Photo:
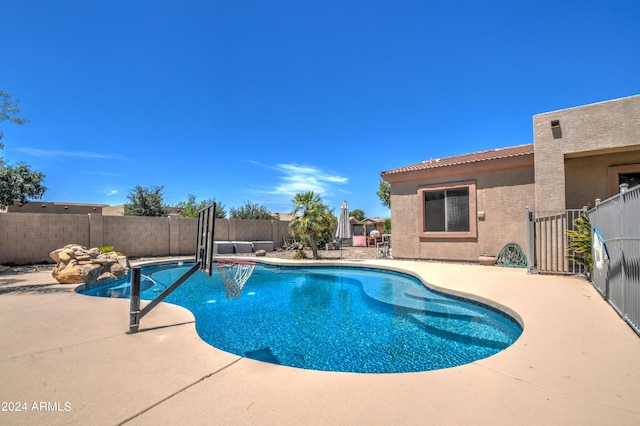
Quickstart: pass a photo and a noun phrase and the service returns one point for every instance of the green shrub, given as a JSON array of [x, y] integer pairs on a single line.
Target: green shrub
[[105, 249], [579, 247], [300, 254]]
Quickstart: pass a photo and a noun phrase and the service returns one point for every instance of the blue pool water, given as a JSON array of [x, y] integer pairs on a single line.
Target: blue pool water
[[333, 318]]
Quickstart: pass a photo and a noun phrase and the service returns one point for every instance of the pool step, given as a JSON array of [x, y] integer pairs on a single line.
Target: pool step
[[446, 317], [416, 298]]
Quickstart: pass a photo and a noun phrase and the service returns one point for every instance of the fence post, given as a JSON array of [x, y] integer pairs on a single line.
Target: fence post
[[531, 244], [96, 230]]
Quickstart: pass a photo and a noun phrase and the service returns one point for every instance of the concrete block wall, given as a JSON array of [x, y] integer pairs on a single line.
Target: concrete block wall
[[222, 230], [279, 231], [144, 236], [184, 243], [249, 230], [30, 237]]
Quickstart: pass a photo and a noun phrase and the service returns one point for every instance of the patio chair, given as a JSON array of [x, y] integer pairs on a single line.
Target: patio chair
[[383, 248]]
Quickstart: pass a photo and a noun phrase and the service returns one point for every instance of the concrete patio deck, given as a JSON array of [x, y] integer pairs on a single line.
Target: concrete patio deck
[[576, 363]]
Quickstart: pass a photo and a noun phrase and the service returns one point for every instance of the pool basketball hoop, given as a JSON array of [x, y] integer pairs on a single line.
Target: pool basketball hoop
[[235, 274]]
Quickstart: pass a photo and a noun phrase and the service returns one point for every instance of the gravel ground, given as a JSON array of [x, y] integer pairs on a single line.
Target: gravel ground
[[352, 253]]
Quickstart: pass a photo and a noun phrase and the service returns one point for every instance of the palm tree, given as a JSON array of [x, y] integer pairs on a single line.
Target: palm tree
[[311, 218]]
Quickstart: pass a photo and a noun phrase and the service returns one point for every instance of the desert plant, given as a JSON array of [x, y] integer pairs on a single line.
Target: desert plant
[[300, 254], [580, 240], [312, 219], [105, 249]]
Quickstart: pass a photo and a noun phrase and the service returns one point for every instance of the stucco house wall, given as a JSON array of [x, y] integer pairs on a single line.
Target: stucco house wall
[[581, 132], [587, 178], [504, 188], [577, 156]]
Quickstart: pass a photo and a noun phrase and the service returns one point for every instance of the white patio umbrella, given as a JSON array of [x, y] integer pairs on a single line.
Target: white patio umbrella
[[344, 227]]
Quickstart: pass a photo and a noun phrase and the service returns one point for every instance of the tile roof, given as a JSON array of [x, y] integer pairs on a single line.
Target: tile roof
[[492, 154]]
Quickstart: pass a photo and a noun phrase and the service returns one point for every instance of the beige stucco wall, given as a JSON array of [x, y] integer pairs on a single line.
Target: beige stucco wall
[[586, 177], [503, 197], [596, 129]]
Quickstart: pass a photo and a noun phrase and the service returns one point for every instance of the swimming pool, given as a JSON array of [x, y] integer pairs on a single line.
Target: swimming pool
[[329, 318]]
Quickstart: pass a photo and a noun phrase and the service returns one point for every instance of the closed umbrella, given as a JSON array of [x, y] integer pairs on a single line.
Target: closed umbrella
[[344, 227]]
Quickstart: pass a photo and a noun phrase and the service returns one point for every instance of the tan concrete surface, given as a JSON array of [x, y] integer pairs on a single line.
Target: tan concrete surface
[[576, 363]]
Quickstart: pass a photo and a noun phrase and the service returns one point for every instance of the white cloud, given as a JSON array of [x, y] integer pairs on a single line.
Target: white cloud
[[112, 192], [73, 154], [296, 179], [290, 179]]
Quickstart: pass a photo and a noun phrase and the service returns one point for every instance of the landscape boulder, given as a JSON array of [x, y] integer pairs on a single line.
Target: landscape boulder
[[76, 265]]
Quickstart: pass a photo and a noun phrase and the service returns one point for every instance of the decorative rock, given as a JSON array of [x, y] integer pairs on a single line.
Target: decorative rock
[[120, 269], [66, 256], [76, 265], [261, 253], [105, 260], [106, 277], [74, 273]]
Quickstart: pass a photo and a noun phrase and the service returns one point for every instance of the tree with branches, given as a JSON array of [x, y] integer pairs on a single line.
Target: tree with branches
[[17, 182], [145, 202], [384, 193], [252, 211], [358, 215], [190, 208]]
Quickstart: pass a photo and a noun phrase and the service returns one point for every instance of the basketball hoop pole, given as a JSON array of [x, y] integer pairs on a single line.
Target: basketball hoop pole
[[135, 313], [204, 262], [204, 259]]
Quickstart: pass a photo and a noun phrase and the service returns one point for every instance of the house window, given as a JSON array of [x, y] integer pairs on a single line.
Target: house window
[[448, 211], [629, 174], [631, 179]]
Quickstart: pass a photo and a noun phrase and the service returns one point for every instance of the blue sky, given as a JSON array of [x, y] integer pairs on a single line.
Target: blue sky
[[257, 101]]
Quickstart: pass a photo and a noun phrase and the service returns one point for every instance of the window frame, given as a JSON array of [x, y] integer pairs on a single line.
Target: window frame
[[473, 225]]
